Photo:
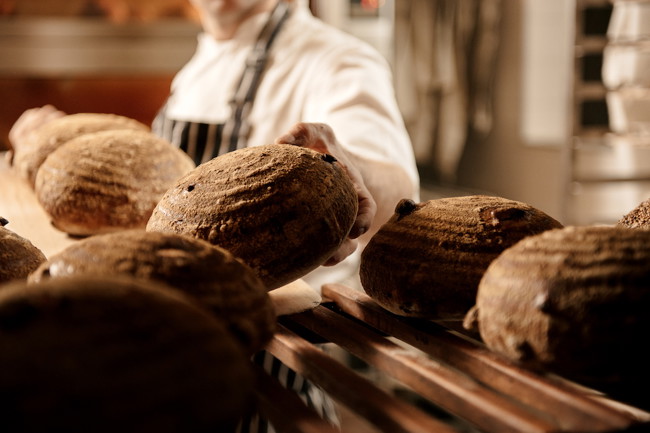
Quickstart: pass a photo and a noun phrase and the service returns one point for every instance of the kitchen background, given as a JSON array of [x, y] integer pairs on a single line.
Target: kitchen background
[[542, 102]]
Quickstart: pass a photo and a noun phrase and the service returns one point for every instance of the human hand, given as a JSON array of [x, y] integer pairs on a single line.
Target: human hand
[[320, 137], [31, 120]]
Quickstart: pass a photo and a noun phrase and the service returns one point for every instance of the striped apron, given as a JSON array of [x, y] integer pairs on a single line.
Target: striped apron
[[204, 141]]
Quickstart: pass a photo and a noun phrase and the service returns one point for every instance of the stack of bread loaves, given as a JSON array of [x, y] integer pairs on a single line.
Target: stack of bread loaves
[[97, 173]]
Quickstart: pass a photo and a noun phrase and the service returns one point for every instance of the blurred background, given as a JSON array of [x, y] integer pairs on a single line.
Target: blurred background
[[543, 102]]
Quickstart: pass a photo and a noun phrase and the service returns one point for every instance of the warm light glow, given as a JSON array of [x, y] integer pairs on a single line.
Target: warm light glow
[[372, 4]]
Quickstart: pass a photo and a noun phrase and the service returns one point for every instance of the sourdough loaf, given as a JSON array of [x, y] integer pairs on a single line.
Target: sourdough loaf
[[47, 138], [209, 274], [428, 259], [573, 301], [109, 180], [282, 209], [116, 355], [18, 256]]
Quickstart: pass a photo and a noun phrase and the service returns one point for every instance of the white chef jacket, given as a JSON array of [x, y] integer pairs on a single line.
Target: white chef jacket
[[315, 73]]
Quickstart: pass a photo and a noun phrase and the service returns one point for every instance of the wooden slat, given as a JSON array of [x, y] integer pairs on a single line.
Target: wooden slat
[[443, 385], [285, 410], [572, 409], [384, 411]]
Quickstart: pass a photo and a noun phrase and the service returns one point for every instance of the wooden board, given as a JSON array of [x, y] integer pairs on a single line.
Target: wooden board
[[27, 218]]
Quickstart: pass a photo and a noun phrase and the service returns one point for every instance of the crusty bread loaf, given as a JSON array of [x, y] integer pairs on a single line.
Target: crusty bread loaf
[[18, 256], [573, 300], [282, 209], [47, 138], [209, 274], [109, 180], [639, 217], [428, 259], [116, 355]]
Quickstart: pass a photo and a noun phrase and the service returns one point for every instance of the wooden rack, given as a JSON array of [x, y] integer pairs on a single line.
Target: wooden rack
[[449, 369]]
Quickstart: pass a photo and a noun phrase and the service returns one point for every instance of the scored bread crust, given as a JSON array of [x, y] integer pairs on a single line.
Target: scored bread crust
[[18, 256], [116, 354], [571, 300], [282, 209], [211, 275], [46, 139], [109, 180], [428, 259]]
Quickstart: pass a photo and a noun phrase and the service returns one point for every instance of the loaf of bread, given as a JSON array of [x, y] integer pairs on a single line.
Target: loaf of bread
[[18, 256], [282, 209], [637, 218], [211, 275], [116, 355], [573, 301], [47, 138], [109, 180], [428, 259]]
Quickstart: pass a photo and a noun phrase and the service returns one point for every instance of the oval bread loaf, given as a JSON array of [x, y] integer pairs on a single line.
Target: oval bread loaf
[[282, 209], [116, 355], [573, 301], [109, 180], [428, 259], [215, 278]]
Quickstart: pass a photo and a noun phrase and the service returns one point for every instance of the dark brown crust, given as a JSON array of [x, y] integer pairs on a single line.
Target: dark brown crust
[[109, 180], [428, 259], [282, 209], [18, 256], [209, 274], [107, 355], [46, 139], [573, 301]]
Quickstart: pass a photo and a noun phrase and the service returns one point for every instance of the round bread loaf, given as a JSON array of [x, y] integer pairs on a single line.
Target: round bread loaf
[[428, 258], [573, 300], [18, 256], [637, 218], [282, 209], [47, 138], [109, 180], [116, 355], [207, 273]]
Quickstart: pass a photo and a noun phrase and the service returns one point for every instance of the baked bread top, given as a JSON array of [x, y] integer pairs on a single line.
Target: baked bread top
[[282, 209], [209, 274], [18, 256], [46, 139], [116, 354], [428, 259], [109, 180]]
